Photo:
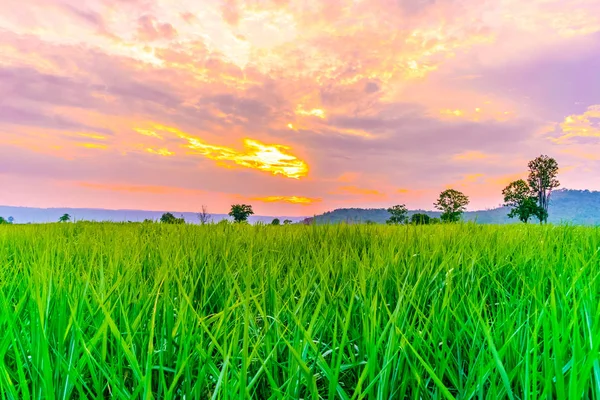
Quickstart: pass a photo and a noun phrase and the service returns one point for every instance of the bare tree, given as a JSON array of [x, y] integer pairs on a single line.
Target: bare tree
[[204, 216]]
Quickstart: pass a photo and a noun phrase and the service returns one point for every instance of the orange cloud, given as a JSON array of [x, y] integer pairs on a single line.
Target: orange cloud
[[274, 159], [138, 188], [358, 191], [470, 156], [288, 199], [580, 125]]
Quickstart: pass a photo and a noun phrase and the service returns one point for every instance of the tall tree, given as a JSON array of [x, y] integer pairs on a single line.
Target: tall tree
[[523, 203], [452, 204], [287, 222], [398, 214], [10, 220], [3, 221], [276, 221], [64, 218], [240, 212], [542, 180]]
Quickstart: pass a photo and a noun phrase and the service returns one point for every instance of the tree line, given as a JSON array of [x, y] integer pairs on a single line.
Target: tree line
[[526, 199]]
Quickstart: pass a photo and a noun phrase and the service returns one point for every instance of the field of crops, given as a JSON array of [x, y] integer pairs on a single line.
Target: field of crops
[[299, 312]]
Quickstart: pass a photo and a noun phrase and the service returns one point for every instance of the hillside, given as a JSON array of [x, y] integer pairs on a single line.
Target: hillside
[[580, 207]]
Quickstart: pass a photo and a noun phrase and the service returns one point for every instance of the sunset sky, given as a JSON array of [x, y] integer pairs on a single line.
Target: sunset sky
[[293, 106]]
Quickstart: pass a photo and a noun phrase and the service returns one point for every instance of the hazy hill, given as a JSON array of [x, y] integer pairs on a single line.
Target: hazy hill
[[23, 215], [567, 206]]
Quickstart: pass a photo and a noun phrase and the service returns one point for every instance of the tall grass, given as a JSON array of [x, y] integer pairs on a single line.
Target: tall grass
[[148, 311]]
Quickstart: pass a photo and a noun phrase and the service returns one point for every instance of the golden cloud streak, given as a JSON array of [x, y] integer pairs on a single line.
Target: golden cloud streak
[[314, 112], [288, 199], [268, 158], [580, 125], [160, 152], [147, 132], [93, 146]]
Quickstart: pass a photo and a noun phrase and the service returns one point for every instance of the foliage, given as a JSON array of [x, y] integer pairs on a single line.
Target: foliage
[[168, 218], [276, 221], [420, 219], [3, 221], [452, 204], [580, 207], [240, 212], [287, 222], [542, 180], [64, 218], [235, 311], [518, 197], [398, 214], [10, 220]]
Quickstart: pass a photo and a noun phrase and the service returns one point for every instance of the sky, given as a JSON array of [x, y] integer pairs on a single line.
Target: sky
[[293, 106]]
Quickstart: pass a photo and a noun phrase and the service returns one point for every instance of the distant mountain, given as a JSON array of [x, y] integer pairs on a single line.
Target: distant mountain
[[581, 207], [23, 215]]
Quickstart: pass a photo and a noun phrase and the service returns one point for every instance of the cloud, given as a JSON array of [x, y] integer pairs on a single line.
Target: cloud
[[288, 199], [111, 187], [150, 29], [579, 126], [18, 116], [274, 159]]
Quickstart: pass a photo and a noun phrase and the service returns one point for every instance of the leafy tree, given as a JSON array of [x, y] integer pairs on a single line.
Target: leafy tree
[[10, 220], [452, 204], [168, 218], [203, 216], [370, 222], [240, 212], [420, 219], [3, 221], [287, 222], [64, 218], [542, 180], [398, 214], [148, 221], [523, 203], [276, 222]]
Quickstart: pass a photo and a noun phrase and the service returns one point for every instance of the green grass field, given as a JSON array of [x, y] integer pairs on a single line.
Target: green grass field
[[147, 311]]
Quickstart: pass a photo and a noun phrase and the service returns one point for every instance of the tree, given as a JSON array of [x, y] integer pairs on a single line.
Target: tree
[[3, 221], [452, 204], [523, 202], [65, 218], [287, 222], [420, 219], [542, 180], [240, 212], [203, 216], [10, 220], [398, 214], [168, 218], [276, 222]]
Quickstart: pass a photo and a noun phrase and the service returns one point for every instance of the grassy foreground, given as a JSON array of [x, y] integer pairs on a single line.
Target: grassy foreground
[[351, 312]]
